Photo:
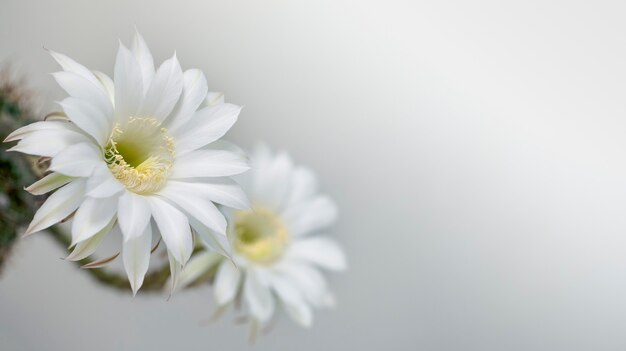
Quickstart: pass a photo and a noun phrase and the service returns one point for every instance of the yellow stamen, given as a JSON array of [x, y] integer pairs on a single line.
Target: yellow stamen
[[140, 154], [260, 235]]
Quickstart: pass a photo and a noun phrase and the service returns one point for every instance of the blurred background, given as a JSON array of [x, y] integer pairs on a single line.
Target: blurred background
[[475, 149]]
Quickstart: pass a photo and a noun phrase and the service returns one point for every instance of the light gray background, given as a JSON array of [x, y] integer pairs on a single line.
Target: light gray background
[[475, 148]]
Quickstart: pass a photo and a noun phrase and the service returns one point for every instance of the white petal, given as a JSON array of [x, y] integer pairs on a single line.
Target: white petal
[[175, 270], [202, 210], [226, 282], [227, 146], [107, 84], [174, 228], [133, 214], [85, 248], [136, 256], [48, 183], [271, 181], [311, 216], [300, 312], [303, 187], [216, 242], [198, 265], [79, 87], [293, 301], [128, 84], [213, 98], [164, 91], [144, 57], [91, 217], [58, 206], [70, 65], [78, 160], [39, 127], [308, 279], [194, 91], [102, 183], [206, 126], [258, 297], [209, 163], [88, 118], [321, 251], [49, 142], [224, 191]]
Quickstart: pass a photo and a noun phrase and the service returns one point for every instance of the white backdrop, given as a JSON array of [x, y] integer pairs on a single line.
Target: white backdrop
[[475, 149]]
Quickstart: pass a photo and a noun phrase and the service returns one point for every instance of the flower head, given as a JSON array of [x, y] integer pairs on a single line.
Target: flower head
[[139, 152], [277, 247]]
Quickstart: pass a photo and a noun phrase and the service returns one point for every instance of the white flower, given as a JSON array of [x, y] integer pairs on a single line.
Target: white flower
[[276, 256], [139, 147]]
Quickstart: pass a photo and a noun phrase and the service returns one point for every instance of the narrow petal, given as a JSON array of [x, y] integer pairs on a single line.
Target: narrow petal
[[48, 183], [198, 265], [133, 214], [206, 126], [58, 206], [144, 57], [226, 146], [320, 251], [101, 262], [213, 98], [258, 297], [79, 87], [128, 84], [164, 91], [224, 191], [70, 65], [174, 228], [308, 279], [209, 163], [87, 247], [49, 143], [136, 257], [39, 127], [107, 84], [202, 210], [102, 183], [303, 187], [293, 301], [88, 118], [309, 217], [271, 180], [226, 282], [175, 271], [91, 217], [78, 160], [194, 92], [213, 240]]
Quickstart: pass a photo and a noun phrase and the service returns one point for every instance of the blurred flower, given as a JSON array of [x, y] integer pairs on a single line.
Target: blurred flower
[[276, 256], [138, 147]]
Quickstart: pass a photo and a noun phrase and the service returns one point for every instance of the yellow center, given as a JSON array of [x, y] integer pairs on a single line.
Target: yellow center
[[140, 154], [259, 235]]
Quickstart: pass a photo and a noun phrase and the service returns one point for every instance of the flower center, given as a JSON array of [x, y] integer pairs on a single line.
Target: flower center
[[140, 154], [259, 235]]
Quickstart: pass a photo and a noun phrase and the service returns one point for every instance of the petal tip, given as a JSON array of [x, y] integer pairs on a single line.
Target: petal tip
[[29, 231]]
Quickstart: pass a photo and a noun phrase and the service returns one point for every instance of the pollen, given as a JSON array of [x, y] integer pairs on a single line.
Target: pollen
[[140, 154], [260, 235]]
